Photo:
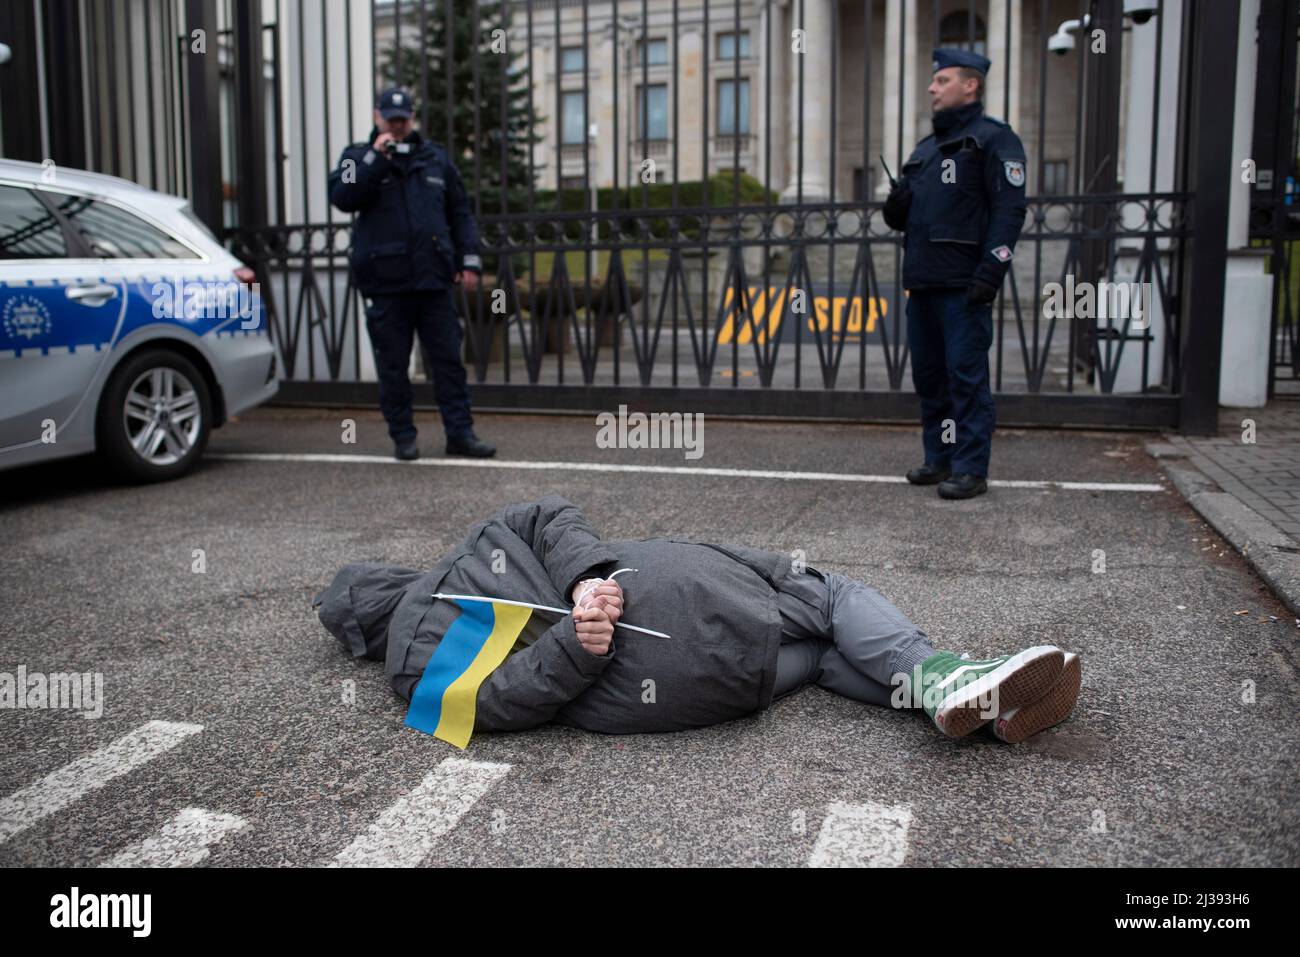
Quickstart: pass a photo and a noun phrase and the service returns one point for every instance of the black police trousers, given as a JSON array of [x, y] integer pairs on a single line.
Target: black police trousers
[[950, 339], [393, 322]]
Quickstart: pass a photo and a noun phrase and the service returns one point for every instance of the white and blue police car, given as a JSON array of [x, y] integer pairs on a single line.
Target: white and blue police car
[[125, 327]]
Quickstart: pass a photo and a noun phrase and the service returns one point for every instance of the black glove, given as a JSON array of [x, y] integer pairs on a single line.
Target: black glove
[[897, 203], [980, 293]]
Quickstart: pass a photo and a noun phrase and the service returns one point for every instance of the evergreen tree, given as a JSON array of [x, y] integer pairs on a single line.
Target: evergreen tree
[[502, 66]]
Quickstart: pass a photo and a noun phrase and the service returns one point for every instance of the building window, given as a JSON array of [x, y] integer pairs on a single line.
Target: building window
[[572, 182], [960, 29], [654, 112], [655, 52], [733, 107], [1056, 178], [727, 45], [574, 125], [572, 60]]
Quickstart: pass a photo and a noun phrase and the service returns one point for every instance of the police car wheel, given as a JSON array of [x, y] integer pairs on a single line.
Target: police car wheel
[[154, 417]]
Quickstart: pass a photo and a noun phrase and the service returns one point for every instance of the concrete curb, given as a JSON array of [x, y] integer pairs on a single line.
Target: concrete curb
[[1269, 551]]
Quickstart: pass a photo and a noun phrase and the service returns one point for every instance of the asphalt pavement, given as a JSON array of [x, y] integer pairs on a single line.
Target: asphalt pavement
[[236, 731]]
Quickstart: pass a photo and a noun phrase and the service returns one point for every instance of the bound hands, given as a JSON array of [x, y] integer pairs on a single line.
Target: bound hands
[[597, 606]]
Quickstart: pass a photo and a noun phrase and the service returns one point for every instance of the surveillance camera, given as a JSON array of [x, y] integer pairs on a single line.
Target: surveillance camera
[[1060, 43], [1140, 10]]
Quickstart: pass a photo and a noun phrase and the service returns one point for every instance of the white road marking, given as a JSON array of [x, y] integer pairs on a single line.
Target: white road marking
[[862, 835], [334, 458], [60, 788], [182, 842], [407, 831]]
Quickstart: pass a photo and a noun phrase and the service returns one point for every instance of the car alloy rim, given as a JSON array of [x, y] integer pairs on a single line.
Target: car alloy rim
[[162, 416]]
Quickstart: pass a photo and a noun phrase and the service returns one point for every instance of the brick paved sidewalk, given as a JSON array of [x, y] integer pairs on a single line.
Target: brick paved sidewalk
[[1265, 474], [1247, 487]]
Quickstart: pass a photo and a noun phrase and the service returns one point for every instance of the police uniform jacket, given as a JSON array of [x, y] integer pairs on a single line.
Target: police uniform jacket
[[414, 228], [968, 201]]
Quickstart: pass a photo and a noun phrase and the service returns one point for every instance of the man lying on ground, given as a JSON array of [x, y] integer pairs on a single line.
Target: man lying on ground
[[743, 627]]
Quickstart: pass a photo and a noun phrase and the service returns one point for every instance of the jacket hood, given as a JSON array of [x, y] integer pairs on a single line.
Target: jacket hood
[[358, 605]]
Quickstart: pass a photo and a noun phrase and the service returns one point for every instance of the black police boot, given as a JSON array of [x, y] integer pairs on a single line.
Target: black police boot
[[469, 444], [963, 486], [407, 451], [927, 475]]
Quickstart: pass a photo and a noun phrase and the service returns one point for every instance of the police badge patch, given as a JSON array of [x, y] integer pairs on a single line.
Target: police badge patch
[[1002, 253], [1015, 170]]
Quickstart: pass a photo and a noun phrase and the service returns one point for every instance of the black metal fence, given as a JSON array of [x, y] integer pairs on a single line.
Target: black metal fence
[[752, 272], [1275, 206]]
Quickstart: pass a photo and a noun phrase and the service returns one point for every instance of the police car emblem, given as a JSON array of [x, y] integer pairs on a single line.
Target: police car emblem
[[1002, 253], [1015, 170], [26, 316]]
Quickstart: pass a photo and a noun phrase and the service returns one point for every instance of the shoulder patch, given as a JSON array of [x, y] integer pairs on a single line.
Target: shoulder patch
[[1015, 172], [1001, 253]]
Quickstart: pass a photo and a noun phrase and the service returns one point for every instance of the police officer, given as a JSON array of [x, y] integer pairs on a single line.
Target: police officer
[[961, 204], [413, 238]]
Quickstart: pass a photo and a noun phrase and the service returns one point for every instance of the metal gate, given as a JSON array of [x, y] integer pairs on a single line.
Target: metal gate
[[1275, 206], [715, 242]]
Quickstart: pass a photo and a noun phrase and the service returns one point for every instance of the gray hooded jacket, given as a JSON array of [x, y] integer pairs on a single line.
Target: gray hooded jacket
[[718, 604]]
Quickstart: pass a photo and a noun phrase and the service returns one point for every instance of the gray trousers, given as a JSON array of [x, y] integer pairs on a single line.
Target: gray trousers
[[845, 636]]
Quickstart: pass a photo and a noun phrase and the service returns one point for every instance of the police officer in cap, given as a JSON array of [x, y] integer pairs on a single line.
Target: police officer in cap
[[414, 238], [960, 202]]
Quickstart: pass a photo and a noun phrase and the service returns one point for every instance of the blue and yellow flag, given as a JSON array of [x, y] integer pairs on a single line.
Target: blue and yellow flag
[[476, 643]]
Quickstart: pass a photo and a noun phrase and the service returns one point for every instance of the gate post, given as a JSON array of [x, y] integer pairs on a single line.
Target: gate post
[[250, 126], [202, 78], [1100, 167], [20, 114], [1210, 79]]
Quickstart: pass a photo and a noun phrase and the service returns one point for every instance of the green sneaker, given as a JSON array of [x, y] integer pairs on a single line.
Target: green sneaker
[[960, 694]]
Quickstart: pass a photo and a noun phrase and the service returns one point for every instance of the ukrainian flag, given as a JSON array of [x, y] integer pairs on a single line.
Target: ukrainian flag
[[475, 644]]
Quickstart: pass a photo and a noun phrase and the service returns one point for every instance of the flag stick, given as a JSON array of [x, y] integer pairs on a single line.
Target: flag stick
[[529, 604]]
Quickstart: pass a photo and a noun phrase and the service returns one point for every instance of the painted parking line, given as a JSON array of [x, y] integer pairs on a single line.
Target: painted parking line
[[60, 788], [862, 835], [405, 833], [790, 476], [184, 841]]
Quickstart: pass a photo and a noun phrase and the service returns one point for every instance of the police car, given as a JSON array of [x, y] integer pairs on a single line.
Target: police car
[[125, 327]]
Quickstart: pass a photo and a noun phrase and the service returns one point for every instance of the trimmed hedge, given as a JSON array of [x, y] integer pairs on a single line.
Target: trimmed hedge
[[716, 192]]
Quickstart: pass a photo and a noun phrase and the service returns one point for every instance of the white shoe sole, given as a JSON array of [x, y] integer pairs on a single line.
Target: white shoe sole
[[1023, 678], [1054, 707]]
